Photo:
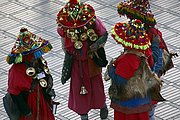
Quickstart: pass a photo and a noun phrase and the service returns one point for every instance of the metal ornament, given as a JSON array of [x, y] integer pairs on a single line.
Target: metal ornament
[[94, 37], [46, 70], [83, 90], [74, 38], [90, 32], [30, 71], [43, 61], [70, 33], [78, 44], [83, 37], [43, 83]]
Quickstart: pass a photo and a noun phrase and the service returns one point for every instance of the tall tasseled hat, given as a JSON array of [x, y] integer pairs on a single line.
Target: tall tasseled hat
[[75, 14], [131, 35], [137, 9], [28, 47]]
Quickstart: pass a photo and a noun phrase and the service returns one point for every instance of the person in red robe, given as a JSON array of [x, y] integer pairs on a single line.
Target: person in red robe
[[83, 36], [29, 80], [130, 91], [141, 9]]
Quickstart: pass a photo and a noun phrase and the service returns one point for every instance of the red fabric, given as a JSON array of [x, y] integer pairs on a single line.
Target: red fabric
[[95, 98], [154, 102], [73, 1], [94, 85], [68, 45], [99, 27], [129, 64], [18, 81], [154, 31], [44, 111], [162, 44], [137, 116], [28, 57]]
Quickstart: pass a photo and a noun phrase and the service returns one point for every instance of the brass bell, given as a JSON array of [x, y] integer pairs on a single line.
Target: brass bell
[[83, 37], [43, 83], [78, 44], [30, 71], [83, 90], [94, 37]]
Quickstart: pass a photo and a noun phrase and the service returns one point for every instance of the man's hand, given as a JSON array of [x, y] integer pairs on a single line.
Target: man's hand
[[94, 47], [29, 116], [155, 38]]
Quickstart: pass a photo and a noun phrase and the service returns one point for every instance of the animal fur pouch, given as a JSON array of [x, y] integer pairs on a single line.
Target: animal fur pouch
[[141, 84]]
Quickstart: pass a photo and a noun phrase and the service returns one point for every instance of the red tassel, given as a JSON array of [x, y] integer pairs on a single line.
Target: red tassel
[[73, 1]]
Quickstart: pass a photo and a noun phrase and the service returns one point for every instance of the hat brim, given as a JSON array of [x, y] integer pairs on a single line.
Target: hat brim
[[36, 53], [118, 33], [67, 20], [132, 13]]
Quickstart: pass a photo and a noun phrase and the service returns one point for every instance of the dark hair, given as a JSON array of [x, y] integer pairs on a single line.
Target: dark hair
[[23, 29]]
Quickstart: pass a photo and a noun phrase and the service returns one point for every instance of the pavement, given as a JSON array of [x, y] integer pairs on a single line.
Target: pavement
[[39, 16]]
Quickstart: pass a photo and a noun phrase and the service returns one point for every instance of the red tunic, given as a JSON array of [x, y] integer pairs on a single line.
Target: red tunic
[[126, 65], [92, 77], [18, 81], [138, 116], [154, 31]]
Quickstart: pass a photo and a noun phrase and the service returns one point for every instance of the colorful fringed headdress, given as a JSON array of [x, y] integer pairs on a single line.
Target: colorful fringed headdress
[[137, 9], [28, 47], [75, 14], [131, 35]]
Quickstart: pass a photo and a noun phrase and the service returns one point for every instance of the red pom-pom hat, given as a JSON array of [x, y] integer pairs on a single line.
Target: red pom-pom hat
[[131, 35], [75, 14], [137, 9]]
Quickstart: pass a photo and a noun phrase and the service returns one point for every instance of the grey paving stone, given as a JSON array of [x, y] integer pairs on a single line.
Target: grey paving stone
[[10, 8], [27, 15], [95, 5], [165, 17], [32, 2], [7, 23], [49, 7], [106, 12]]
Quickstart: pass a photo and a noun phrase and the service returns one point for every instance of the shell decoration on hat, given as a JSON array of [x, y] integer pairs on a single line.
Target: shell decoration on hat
[[28, 46], [137, 9], [131, 35]]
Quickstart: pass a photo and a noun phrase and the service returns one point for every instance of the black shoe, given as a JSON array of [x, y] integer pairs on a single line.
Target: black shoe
[[104, 112], [84, 117]]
